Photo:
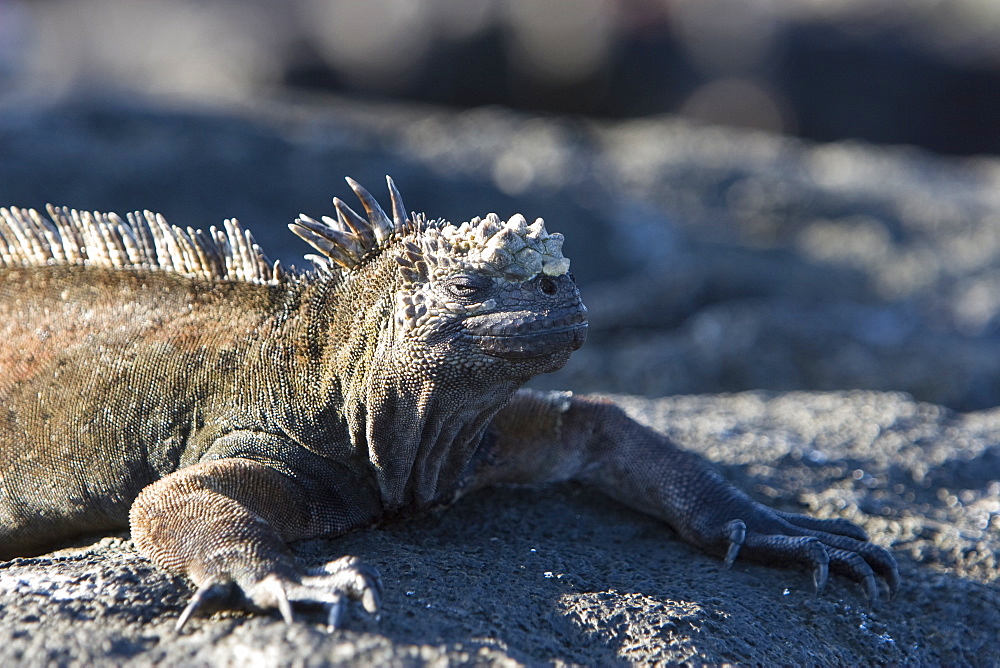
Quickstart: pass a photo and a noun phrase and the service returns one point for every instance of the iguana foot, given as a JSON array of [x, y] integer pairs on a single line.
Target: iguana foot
[[327, 586], [824, 545], [332, 583]]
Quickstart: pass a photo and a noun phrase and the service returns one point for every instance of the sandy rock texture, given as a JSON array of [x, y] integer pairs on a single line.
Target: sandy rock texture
[[560, 575], [842, 279]]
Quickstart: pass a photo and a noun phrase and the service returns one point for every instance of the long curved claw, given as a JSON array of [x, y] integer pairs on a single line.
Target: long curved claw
[[208, 594], [196, 602], [277, 589], [884, 565], [736, 532], [334, 614], [327, 587], [861, 561], [860, 566], [825, 545], [892, 581], [332, 583], [871, 590], [806, 550], [355, 578], [821, 574]]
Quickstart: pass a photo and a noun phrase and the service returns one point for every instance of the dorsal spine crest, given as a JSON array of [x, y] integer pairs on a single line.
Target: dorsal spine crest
[[509, 250], [144, 241], [351, 239]]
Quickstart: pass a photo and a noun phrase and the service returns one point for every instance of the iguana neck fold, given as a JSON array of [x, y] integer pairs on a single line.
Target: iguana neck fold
[[412, 409]]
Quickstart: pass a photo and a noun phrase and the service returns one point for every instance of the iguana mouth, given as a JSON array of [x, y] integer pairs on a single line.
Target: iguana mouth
[[532, 337]]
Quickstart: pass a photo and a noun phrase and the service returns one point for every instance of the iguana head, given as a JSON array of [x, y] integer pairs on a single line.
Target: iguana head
[[484, 292]]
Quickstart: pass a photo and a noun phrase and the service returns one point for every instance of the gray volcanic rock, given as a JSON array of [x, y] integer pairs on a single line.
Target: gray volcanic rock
[[532, 575]]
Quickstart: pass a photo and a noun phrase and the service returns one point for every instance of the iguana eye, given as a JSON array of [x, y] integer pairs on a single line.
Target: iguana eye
[[466, 287], [547, 286]]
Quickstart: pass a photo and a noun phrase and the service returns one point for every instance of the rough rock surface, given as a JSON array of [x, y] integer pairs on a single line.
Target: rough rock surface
[[560, 575], [712, 261]]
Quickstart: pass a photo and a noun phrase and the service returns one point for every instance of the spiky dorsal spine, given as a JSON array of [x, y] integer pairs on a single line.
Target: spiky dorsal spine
[[144, 241], [350, 239], [509, 250]]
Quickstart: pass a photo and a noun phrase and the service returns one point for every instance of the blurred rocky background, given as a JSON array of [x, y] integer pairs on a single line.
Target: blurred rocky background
[[923, 72]]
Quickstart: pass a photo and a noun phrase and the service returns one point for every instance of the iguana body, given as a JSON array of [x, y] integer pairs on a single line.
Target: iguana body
[[177, 382]]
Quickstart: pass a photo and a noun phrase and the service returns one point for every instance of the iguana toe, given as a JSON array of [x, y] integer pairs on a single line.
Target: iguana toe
[[837, 526], [209, 597], [327, 587], [823, 545], [332, 583], [737, 533]]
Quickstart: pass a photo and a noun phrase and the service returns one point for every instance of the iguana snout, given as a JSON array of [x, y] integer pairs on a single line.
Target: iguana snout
[[536, 318]]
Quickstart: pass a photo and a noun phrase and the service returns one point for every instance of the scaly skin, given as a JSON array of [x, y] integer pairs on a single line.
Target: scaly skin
[[185, 387]]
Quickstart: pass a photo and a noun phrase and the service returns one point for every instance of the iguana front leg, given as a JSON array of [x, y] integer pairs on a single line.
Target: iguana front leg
[[549, 437], [225, 523]]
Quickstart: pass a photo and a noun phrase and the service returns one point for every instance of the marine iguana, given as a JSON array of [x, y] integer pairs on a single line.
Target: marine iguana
[[177, 382]]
